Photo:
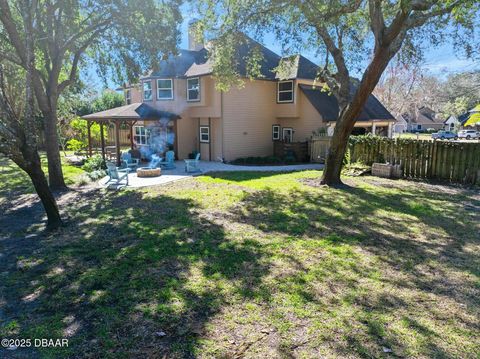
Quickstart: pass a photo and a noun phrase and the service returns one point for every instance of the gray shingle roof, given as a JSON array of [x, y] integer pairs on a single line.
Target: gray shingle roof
[[134, 111], [177, 66], [327, 106], [297, 66], [195, 63], [422, 115]]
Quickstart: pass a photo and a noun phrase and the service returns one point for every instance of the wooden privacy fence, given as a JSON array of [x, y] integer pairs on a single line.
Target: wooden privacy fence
[[319, 146], [451, 161], [124, 136]]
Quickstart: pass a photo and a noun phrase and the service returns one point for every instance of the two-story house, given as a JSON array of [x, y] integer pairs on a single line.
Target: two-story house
[[179, 106]]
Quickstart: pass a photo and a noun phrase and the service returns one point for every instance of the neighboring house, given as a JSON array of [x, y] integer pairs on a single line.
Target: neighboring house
[[179, 106], [421, 119], [452, 123], [400, 125]]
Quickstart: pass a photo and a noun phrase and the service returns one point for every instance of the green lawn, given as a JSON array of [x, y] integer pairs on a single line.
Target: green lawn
[[16, 181], [421, 136], [257, 265]]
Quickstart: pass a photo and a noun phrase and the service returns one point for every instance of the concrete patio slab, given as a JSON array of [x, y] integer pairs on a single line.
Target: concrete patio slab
[[179, 172]]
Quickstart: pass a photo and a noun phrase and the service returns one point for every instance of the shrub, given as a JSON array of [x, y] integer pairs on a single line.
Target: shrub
[[97, 174], [94, 163], [76, 145], [267, 160]]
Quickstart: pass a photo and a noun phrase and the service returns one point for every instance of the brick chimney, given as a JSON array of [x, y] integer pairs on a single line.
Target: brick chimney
[[193, 43]]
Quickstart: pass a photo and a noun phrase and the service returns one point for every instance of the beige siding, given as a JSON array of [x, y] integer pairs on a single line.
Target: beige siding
[[248, 115], [308, 120], [186, 137]]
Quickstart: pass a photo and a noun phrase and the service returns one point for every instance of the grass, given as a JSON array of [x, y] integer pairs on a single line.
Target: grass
[[409, 135], [249, 264], [16, 181]]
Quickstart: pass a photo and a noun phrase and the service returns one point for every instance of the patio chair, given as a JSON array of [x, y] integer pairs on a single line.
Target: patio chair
[[117, 175], [128, 161], [169, 162], [192, 165]]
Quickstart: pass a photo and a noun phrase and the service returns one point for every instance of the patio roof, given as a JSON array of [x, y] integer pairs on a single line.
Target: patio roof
[[132, 112], [327, 106], [118, 115]]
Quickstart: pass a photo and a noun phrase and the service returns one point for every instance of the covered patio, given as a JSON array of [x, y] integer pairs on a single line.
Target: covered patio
[[164, 122]]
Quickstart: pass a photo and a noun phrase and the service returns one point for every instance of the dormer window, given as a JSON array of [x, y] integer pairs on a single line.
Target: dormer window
[[164, 89], [128, 97], [147, 91], [193, 89], [285, 91]]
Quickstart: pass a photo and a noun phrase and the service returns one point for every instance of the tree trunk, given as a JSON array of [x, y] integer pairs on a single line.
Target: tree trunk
[[338, 147], [48, 200], [31, 164], [349, 114], [55, 173]]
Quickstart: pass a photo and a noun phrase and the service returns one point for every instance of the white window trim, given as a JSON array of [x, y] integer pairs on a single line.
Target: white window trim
[[165, 88], [287, 129], [128, 96], [199, 89], [200, 134], [283, 91], [277, 137], [143, 91], [145, 135]]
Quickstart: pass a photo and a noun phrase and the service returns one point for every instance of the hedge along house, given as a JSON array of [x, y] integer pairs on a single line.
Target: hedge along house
[[243, 121]]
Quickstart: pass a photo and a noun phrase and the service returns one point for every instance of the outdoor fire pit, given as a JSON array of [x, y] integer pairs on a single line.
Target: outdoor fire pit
[[149, 172]]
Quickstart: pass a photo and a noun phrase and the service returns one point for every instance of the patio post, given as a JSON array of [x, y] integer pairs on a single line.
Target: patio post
[[117, 142], [102, 140], [131, 134], [89, 135]]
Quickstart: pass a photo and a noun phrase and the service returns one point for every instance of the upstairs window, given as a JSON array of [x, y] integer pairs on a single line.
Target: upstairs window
[[147, 91], [285, 91], [275, 132], [193, 89], [128, 97], [164, 89]]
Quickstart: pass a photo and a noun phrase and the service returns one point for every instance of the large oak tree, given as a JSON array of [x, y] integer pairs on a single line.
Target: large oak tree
[[18, 125], [356, 37], [123, 37]]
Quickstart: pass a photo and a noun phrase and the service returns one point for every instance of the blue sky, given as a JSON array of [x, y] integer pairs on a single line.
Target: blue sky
[[439, 61]]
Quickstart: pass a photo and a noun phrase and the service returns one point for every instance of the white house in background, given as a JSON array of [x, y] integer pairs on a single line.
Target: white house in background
[[452, 123], [400, 125]]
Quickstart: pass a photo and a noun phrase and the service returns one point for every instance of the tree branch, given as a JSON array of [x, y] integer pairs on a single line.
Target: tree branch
[[377, 21], [420, 18], [76, 58], [9, 25]]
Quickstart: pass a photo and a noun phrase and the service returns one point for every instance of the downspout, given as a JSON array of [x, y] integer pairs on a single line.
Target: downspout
[[223, 125]]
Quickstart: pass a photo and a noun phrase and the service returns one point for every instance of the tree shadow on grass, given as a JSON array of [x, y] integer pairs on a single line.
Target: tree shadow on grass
[[131, 275], [132, 267], [388, 225]]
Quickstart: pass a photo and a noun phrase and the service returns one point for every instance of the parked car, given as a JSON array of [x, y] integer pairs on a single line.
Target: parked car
[[468, 134], [444, 135]]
